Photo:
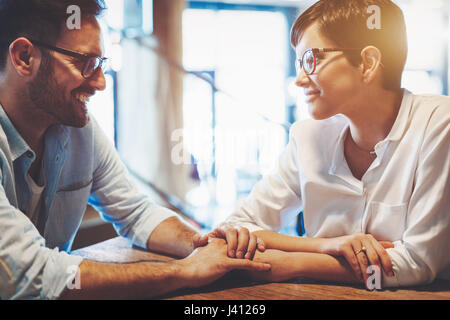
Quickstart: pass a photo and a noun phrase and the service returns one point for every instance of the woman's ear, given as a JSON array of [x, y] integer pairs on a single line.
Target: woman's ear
[[23, 56], [371, 63]]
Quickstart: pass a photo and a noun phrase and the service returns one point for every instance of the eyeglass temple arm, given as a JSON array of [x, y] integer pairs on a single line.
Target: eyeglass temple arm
[[336, 49], [60, 50]]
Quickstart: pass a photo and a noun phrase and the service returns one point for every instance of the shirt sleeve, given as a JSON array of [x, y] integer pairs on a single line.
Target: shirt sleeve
[[423, 251], [275, 199], [29, 270], [116, 197]]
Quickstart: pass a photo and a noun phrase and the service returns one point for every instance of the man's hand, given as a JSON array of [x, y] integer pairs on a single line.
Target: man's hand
[[241, 243], [199, 240], [208, 263]]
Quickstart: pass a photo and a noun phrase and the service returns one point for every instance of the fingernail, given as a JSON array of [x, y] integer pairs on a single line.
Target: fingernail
[[239, 254], [232, 254]]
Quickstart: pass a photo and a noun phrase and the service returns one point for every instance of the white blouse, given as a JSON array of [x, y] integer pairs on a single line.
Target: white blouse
[[404, 196]]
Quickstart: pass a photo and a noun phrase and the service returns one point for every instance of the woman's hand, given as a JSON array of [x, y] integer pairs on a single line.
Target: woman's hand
[[360, 251], [241, 243]]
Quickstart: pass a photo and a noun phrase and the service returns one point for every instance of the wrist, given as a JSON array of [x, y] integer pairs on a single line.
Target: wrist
[[179, 275], [322, 245], [184, 273]]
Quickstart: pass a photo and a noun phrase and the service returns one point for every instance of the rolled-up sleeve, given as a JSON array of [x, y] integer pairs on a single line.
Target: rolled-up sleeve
[[29, 270], [116, 197], [423, 251], [275, 199]]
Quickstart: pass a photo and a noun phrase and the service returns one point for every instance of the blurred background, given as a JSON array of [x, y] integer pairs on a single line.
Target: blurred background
[[200, 96]]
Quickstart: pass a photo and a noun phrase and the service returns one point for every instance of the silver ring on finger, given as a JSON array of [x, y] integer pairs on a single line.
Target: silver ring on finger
[[363, 249]]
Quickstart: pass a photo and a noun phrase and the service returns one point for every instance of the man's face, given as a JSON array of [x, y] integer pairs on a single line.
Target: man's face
[[59, 89], [334, 86]]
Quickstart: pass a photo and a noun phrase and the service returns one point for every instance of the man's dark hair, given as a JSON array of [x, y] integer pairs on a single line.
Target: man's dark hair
[[41, 20], [345, 22]]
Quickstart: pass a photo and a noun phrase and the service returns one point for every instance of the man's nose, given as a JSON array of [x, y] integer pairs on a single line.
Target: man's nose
[[97, 80]]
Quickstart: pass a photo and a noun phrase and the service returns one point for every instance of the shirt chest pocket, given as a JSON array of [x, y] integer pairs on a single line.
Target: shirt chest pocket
[[66, 213], [387, 222]]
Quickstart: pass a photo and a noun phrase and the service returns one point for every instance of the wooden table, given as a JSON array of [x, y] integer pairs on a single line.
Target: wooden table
[[232, 287]]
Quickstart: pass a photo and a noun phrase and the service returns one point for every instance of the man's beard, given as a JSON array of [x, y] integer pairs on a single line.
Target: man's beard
[[48, 96]]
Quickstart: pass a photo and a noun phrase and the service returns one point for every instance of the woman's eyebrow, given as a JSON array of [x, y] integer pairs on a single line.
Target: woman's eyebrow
[[302, 53]]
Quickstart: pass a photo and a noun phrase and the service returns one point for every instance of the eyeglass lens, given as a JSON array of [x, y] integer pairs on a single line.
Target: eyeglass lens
[[91, 65], [307, 62]]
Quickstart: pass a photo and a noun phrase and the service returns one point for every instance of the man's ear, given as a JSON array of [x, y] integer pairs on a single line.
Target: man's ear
[[371, 63], [24, 56]]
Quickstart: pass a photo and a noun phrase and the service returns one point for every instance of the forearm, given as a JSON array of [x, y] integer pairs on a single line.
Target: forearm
[[289, 265], [325, 267], [126, 281], [146, 279], [274, 240], [172, 236]]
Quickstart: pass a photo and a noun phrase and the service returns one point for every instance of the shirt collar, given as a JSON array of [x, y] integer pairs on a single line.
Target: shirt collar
[[17, 144], [338, 153], [399, 127], [396, 133], [338, 166], [59, 132], [397, 130]]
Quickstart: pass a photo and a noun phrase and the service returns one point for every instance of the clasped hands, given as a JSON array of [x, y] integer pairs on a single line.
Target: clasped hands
[[359, 250], [240, 242]]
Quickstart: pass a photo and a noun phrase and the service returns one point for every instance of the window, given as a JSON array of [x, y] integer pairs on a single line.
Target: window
[[235, 126], [102, 108], [426, 69], [102, 104], [131, 18]]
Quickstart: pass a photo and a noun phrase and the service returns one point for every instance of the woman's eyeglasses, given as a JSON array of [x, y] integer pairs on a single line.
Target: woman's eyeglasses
[[91, 62], [308, 61]]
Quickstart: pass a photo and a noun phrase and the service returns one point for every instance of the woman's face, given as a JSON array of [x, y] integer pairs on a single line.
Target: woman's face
[[335, 85]]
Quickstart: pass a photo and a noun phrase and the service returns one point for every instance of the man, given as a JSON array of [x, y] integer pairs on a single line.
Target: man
[[54, 159]]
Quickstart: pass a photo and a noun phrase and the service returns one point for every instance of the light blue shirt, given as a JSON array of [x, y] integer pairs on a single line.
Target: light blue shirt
[[80, 166]]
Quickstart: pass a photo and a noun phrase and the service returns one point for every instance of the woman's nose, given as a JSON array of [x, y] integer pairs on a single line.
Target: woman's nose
[[302, 80]]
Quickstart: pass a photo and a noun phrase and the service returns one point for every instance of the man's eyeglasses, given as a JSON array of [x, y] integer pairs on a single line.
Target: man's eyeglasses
[[308, 61], [91, 62]]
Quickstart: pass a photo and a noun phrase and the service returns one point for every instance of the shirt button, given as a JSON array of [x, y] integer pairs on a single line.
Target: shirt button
[[57, 158], [29, 154]]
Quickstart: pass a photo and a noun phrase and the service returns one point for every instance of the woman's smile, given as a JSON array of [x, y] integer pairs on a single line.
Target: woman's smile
[[312, 95]]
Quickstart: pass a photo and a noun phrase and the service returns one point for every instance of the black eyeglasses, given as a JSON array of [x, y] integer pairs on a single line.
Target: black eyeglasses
[[91, 62], [308, 61]]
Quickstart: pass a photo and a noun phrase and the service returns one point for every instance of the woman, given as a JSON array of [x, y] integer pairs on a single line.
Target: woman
[[370, 172]]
